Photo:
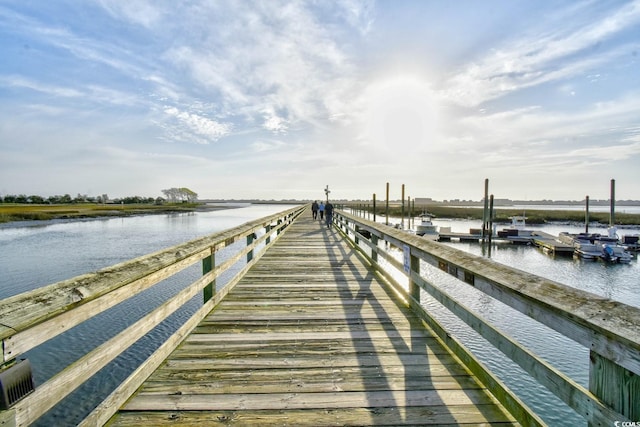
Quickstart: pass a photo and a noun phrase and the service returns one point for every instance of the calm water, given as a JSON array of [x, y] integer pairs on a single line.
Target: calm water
[[33, 255]]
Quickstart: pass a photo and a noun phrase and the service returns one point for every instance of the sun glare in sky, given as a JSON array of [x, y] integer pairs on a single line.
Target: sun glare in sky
[[400, 114]]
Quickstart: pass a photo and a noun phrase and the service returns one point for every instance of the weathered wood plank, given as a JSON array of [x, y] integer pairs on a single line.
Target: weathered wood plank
[[343, 399], [308, 381], [433, 415]]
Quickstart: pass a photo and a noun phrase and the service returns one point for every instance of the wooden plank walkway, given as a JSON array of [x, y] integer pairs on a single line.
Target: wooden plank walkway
[[310, 336]]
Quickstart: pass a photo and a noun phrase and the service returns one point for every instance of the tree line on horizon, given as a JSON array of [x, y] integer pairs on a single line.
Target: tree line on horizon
[[173, 195]]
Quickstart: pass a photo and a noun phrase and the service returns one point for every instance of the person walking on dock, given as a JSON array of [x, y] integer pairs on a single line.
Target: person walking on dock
[[321, 210], [329, 210], [314, 209]]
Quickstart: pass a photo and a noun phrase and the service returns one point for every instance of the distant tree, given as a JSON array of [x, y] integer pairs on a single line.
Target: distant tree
[[80, 198], [175, 195], [189, 195], [36, 199], [22, 198]]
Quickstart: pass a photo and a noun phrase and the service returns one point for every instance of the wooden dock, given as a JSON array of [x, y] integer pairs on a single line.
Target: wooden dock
[[540, 239], [551, 244], [311, 336]]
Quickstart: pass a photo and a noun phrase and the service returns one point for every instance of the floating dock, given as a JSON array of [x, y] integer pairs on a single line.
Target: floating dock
[[551, 244], [545, 241]]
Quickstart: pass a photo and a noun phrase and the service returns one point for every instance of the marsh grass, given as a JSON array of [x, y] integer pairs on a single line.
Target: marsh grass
[[19, 212]]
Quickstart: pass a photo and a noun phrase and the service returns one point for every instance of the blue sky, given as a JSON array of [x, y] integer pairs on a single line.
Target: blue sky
[[277, 99]]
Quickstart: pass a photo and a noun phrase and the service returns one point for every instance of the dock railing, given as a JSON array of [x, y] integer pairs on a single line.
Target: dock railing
[[609, 329], [32, 318]]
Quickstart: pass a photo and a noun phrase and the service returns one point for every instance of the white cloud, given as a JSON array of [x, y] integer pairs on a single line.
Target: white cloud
[[258, 58], [141, 12], [262, 146], [540, 56], [273, 122], [49, 89], [196, 128]]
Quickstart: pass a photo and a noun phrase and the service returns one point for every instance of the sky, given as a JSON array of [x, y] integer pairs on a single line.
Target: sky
[[279, 99]]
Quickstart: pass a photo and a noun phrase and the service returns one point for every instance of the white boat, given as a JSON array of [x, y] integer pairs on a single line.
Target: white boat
[[517, 232], [587, 250], [426, 228], [615, 253]]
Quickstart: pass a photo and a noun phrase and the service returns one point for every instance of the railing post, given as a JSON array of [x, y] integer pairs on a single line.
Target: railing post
[[208, 264], [267, 229], [615, 386], [374, 253], [414, 289], [250, 238], [355, 238]]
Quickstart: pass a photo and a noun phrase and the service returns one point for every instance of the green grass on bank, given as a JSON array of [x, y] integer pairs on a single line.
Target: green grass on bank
[[502, 215], [27, 212]]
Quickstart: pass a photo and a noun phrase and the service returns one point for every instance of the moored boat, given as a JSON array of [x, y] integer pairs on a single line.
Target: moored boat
[[426, 228], [594, 246], [517, 232]]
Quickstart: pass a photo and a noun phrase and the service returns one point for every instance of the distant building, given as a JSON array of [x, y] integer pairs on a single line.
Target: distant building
[[423, 200]]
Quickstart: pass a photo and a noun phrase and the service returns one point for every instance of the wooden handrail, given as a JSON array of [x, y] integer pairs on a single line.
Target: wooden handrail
[[34, 317], [610, 329]]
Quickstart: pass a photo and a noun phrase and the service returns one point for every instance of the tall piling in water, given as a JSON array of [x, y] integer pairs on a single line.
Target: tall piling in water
[[374, 207], [402, 210], [386, 209], [586, 214], [490, 218], [485, 212], [612, 201]]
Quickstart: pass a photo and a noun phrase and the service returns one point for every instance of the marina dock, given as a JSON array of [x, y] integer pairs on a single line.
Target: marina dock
[[551, 244], [545, 241]]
